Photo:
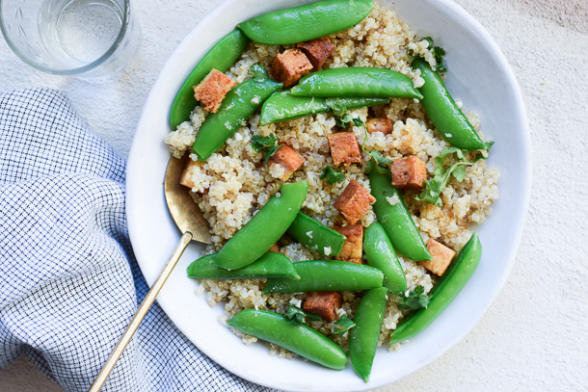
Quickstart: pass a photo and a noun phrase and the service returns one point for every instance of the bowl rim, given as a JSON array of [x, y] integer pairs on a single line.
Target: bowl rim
[[446, 6]]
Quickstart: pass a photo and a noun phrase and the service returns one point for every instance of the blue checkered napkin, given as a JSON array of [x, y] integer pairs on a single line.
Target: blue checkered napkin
[[66, 265]]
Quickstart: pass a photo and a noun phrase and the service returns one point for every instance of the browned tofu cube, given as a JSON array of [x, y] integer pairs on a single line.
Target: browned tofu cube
[[379, 124], [354, 202], [274, 248], [409, 172], [323, 303], [212, 90], [441, 257], [317, 50], [288, 159], [290, 66], [344, 148], [353, 245], [186, 179]]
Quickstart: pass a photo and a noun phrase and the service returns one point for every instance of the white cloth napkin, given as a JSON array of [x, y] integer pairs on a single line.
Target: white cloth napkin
[[69, 283]]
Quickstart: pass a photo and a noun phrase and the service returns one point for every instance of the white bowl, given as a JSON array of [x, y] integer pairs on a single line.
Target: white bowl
[[478, 74]]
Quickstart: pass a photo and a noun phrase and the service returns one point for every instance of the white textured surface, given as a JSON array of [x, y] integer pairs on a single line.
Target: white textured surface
[[535, 335]]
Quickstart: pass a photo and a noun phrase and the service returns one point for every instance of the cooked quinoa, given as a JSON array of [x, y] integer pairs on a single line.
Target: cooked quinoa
[[235, 182]]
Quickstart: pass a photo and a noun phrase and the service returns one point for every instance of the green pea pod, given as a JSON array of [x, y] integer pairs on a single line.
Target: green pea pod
[[270, 265], [316, 236], [363, 338], [356, 82], [380, 254], [239, 104], [298, 338], [446, 290], [264, 229], [444, 112], [221, 56], [284, 106], [395, 217], [329, 275], [306, 22]]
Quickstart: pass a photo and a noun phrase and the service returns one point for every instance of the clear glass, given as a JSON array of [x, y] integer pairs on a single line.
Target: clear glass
[[90, 38]]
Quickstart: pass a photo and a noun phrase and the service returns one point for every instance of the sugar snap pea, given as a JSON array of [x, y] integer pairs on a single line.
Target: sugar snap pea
[[363, 338], [284, 106], [316, 236], [395, 217], [264, 229], [221, 56], [295, 337], [356, 82], [444, 112], [305, 22], [270, 265], [446, 290], [327, 275], [380, 254], [239, 104]]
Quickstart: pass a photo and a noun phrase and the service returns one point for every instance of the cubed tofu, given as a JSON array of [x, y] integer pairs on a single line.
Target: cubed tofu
[[317, 50], [186, 179], [323, 303], [354, 202], [290, 66], [379, 124], [288, 159], [212, 90], [409, 172], [344, 148], [274, 248], [441, 257], [353, 245]]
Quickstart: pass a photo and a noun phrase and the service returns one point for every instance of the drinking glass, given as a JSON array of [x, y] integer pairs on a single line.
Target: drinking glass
[[90, 38]]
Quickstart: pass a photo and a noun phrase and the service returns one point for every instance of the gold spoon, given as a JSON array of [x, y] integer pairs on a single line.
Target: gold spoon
[[189, 220]]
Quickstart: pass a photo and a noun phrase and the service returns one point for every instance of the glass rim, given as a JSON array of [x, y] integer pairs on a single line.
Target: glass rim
[[69, 71]]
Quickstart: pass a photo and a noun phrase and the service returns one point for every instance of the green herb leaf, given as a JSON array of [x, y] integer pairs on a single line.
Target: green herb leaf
[[358, 123], [459, 173], [295, 314], [442, 175], [258, 71], [268, 144], [344, 120], [379, 158], [438, 53], [299, 316], [342, 325], [416, 299], [331, 175], [336, 105]]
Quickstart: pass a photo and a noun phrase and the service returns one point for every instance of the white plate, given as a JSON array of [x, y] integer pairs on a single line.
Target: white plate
[[478, 74]]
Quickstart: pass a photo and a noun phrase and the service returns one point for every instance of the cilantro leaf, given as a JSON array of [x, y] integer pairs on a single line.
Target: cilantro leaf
[[299, 316], [358, 123], [438, 53], [331, 175], [344, 120], [335, 105], [268, 144], [342, 325], [258, 72], [416, 299], [379, 158], [442, 175]]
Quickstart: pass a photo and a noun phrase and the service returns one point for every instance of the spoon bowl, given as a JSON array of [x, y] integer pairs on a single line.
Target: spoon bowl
[[182, 208]]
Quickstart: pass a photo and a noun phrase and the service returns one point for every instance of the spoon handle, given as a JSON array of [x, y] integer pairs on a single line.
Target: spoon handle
[[141, 312]]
